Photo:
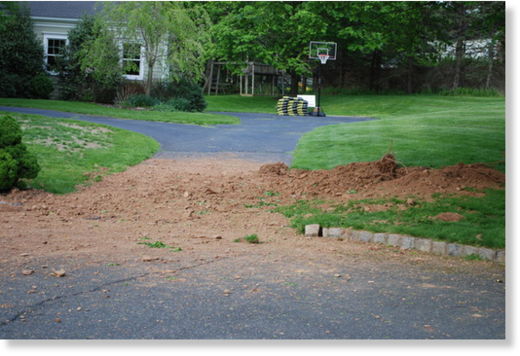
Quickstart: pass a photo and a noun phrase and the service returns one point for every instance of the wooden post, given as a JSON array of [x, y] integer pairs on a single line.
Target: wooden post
[[240, 79], [210, 78], [218, 80], [253, 79]]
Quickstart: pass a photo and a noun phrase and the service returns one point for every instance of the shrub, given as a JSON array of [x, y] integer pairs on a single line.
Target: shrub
[[185, 89], [126, 90], [15, 161], [41, 86], [140, 100], [85, 72], [21, 55]]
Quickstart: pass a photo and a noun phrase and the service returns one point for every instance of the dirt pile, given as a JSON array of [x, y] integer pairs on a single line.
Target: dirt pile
[[383, 177]]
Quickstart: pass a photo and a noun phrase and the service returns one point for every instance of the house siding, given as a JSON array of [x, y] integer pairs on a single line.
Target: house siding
[[60, 28]]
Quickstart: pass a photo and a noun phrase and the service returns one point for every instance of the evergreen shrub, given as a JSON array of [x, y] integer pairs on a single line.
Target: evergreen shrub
[[15, 161]]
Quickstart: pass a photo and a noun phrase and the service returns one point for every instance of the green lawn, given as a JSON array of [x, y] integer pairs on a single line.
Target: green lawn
[[483, 222], [194, 118], [424, 130], [73, 152]]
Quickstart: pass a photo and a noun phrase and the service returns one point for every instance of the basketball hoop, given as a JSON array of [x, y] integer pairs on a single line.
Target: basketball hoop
[[323, 57]]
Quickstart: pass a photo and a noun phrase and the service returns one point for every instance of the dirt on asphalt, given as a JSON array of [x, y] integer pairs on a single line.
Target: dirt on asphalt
[[196, 208]]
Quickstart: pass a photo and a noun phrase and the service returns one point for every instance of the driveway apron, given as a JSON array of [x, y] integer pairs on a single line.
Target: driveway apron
[[259, 137]]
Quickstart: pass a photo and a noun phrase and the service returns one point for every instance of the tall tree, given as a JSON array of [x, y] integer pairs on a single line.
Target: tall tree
[[169, 31], [21, 55]]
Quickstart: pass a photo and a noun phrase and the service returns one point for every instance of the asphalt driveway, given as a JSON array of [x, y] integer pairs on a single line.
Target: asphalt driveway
[[259, 137]]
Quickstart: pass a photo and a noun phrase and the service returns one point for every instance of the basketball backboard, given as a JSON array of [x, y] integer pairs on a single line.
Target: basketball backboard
[[319, 50]]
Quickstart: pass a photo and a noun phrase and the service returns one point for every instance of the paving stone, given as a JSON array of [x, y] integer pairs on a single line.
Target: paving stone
[[380, 238], [347, 234], [394, 240], [366, 236], [312, 230], [487, 253], [335, 232], [501, 256], [439, 247], [325, 231], [470, 250], [424, 245], [455, 250], [355, 235], [407, 242]]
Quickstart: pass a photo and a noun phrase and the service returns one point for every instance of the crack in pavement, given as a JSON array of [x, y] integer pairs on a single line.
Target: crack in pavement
[[32, 307]]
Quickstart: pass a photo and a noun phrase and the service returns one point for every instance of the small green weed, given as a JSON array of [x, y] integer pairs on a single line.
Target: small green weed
[[261, 204], [252, 239], [473, 257], [157, 244], [271, 194]]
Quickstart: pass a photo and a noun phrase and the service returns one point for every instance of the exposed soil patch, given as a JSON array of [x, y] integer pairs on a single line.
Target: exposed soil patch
[[383, 178], [199, 207], [449, 217]]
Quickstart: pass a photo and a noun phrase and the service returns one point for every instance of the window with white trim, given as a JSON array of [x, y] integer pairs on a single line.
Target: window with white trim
[[132, 61], [53, 47]]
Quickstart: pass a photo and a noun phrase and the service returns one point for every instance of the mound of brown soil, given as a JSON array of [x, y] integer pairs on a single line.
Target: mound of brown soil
[[382, 178]]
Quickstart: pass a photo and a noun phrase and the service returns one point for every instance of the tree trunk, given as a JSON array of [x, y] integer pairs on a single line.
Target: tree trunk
[[409, 76], [460, 48], [149, 79], [294, 83], [375, 72], [491, 58]]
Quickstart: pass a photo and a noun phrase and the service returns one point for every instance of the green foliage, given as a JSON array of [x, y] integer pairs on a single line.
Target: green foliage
[[21, 55], [90, 68], [182, 94], [41, 86], [252, 239], [15, 161], [171, 30], [140, 100]]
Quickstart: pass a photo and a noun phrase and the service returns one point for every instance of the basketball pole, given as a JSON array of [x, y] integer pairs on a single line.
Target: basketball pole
[[318, 101]]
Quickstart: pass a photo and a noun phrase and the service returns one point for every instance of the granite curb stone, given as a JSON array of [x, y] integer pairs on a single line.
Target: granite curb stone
[[405, 242]]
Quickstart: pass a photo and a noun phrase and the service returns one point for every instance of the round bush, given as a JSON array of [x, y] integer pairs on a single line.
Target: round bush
[[41, 86], [8, 169], [15, 161], [166, 91], [140, 100], [10, 132]]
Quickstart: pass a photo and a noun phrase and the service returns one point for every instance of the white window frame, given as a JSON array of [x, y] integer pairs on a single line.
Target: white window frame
[[140, 76], [46, 38]]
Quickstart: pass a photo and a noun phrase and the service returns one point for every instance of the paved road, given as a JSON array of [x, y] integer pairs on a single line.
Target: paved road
[[251, 296], [259, 137]]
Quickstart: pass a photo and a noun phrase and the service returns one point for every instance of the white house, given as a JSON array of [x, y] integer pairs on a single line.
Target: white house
[[53, 20]]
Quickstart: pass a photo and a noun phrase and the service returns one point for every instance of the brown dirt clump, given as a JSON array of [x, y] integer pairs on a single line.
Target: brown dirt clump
[[274, 168], [384, 178], [448, 217]]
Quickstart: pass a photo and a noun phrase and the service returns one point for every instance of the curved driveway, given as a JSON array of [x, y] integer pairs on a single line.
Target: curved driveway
[[259, 137]]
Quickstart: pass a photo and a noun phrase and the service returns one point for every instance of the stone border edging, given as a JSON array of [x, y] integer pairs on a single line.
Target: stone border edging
[[406, 242]]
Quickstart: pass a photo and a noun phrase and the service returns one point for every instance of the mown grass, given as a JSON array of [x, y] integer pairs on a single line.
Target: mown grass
[[483, 222], [432, 131], [73, 152], [421, 130], [193, 118]]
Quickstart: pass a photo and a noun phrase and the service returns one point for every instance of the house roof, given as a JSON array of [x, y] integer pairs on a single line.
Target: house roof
[[61, 9]]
